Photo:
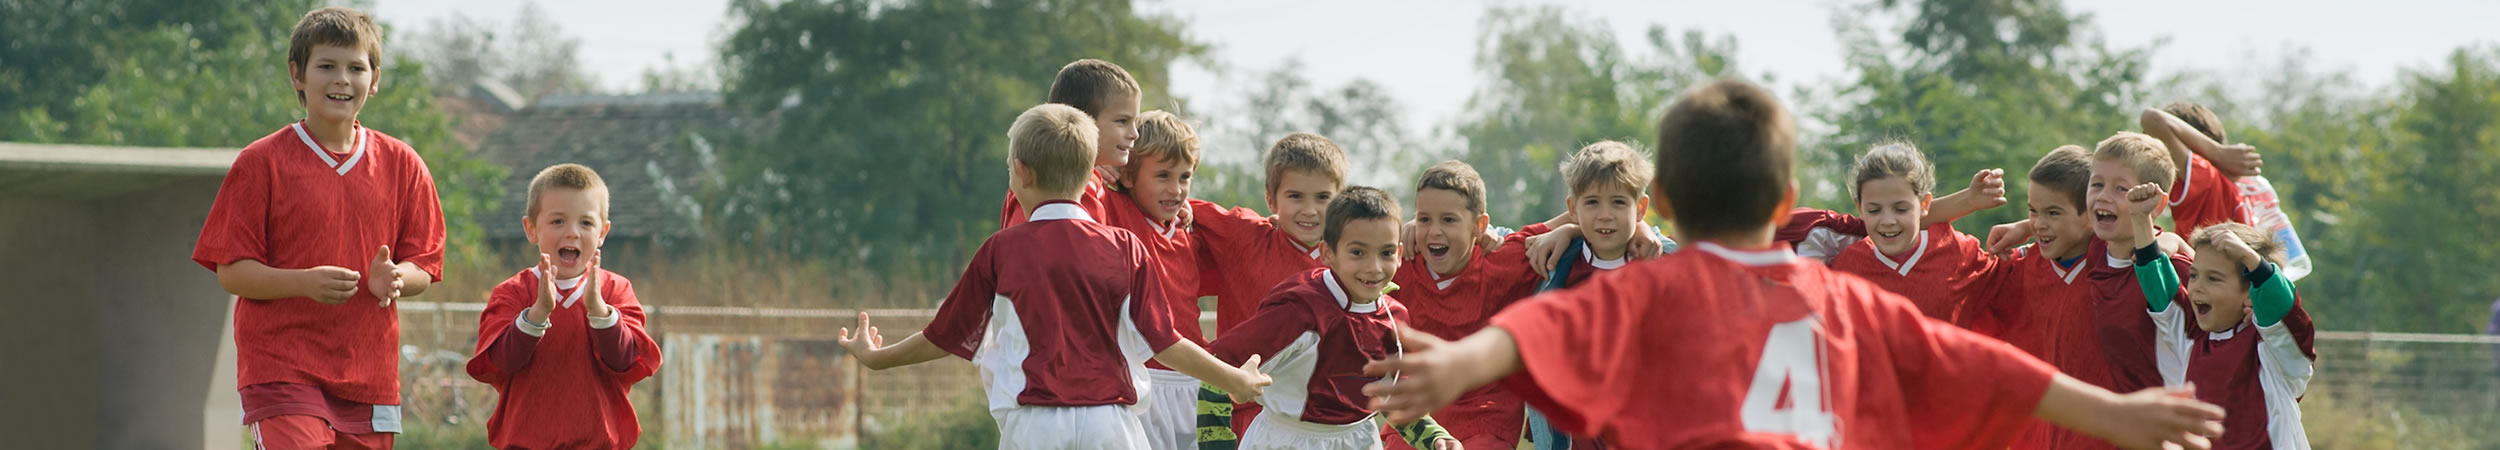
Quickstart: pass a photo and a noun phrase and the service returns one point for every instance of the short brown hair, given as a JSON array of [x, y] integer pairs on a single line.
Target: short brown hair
[[1894, 159], [1726, 155], [2208, 241], [1090, 84], [1057, 142], [2146, 155], [2198, 117], [1162, 137], [336, 26], [1455, 176], [2068, 169], [567, 176], [1608, 164], [1357, 203], [1306, 152]]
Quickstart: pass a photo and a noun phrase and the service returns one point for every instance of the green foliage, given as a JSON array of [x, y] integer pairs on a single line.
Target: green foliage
[[178, 87], [968, 425], [1557, 83], [1359, 116], [892, 143]]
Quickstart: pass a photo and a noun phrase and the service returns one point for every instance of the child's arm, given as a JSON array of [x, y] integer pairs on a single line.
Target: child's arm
[[1435, 372], [1424, 433], [2286, 368], [2150, 418], [2182, 139], [1241, 383], [252, 280], [871, 350], [1987, 190]]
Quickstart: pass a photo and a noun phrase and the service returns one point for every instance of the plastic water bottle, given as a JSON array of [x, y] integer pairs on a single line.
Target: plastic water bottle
[[2266, 209]]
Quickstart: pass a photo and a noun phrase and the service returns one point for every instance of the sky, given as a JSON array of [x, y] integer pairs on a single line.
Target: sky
[[1423, 51]]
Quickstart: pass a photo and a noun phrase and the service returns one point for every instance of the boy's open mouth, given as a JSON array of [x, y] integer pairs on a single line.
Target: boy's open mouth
[[2104, 217], [340, 97], [1306, 226], [1370, 284], [1893, 234], [1437, 251], [1605, 231], [2202, 308], [569, 256]]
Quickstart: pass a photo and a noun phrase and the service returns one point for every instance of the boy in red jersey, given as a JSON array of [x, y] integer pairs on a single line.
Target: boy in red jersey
[[563, 342], [317, 229], [1154, 189], [1662, 353], [1107, 93], [1454, 289]]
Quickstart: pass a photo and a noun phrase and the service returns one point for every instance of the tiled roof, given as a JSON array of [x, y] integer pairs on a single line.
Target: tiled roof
[[649, 148]]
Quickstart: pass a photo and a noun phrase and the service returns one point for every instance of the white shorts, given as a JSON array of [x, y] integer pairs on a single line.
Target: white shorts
[[1278, 431], [1171, 415], [1069, 427]]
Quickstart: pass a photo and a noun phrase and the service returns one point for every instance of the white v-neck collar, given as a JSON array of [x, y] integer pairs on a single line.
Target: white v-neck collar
[[1905, 265], [1313, 251], [2224, 335], [2063, 274], [1589, 253], [566, 284], [1749, 257], [355, 153], [1349, 305]]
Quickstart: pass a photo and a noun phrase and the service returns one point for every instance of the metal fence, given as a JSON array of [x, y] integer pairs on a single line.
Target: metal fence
[[752, 377]]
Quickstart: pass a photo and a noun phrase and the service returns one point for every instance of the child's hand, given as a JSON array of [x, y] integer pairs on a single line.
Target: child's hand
[[382, 277], [2144, 198], [1989, 185], [863, 342], [1415, 383], [1248, 381], [2164, 417], [1447, 444], [592, 304], [1408, 238], [1545, 250], [2239, 251], [2003, 238], [2238, 160], [1183, 218], [1487, 242], [1646, 244], [330, 285], [546, 303]]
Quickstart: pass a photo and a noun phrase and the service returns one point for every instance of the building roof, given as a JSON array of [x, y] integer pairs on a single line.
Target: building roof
[[653, 150], [91, 171]]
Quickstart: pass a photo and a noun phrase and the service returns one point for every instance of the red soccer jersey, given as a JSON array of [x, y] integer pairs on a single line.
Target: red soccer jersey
[[1939, 274], [1176, 263], [1241, 258], [2039, 310], [1455, 306], [565, 395], [2126, 338], [1818, 233], [1012, 212], [1060, 300], [2205, 197], [1713, 346], [1313, 343], [290, 204]]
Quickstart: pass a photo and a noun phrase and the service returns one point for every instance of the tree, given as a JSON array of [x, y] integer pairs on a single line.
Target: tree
[[892, 146], [169, 87], [1558, 83], [1359, 116], [51, 51], [532, 54], [1985, 84]]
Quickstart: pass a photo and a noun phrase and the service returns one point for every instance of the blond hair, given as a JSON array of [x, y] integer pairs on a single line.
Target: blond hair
[[1305, 152], [1057, 142], [1162, 136], [1455, 176], [1608, 164], [335, 26], [567, 176], [2145, 155]]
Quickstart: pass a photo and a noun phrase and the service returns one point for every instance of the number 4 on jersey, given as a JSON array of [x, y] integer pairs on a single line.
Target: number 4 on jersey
[[1789, 361]]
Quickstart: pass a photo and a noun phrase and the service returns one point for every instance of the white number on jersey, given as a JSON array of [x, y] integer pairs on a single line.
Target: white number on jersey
[[1789, 359]]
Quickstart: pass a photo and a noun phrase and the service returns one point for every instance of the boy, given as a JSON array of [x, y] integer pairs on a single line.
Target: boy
[[1455, 290], [1154, 189], [1655, 354], [2039, 305], [1242, 256], [1060, 312], [1105, 92], [317, 228], [1317, 330], [1607, 202], [2204, 194], [2122, 161], [2248, 324], [563, 342]]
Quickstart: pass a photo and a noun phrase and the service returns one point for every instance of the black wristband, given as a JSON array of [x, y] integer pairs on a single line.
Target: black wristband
[[2148, 254], [2259, 275]]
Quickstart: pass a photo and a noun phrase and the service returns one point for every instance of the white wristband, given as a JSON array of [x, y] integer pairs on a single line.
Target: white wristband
[[532, 329], [602, 323]]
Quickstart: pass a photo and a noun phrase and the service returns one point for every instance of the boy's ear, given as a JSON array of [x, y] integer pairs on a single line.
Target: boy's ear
[[1019, 176], [1483, 220], [529, 229]]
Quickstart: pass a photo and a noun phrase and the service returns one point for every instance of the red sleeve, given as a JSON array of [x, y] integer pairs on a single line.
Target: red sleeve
[[237, 227], [965, 314], [420, 238], [503, 305], [1975, 275], [1968, 391], [1556, 332], [625, 349], [1279, 321], [1997, 299], [1219, 233], [1508, 276], [1010, 213], [2204, 197], [1803, 221], [1147, 308]]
